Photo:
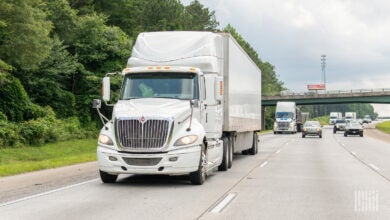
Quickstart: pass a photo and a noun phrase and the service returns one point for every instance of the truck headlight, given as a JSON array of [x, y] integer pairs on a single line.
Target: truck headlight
[[189, 139], [104, 139]]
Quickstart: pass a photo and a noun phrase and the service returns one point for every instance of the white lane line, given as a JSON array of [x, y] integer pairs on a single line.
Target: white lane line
[[46, 193], [224, 203], [353, 153], [263, 164], [373, 166], [343, 144], [278, 151]]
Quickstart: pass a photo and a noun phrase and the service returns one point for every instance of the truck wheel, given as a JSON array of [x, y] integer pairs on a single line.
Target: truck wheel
[[107, 178], [225, 156], [303, 136], [345, 134], [361, 134], [198, 177], [231, 151], [254, 149]]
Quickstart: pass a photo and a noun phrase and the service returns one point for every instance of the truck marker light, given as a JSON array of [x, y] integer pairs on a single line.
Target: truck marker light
[[159, 67], [192, 68], [150, 67], [167, 67], [220, 88]]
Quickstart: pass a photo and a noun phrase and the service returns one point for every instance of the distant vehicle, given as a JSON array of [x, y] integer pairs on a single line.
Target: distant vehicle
[[339, 125], [350, 116], [333, 116], [353, 128], [312, 128], [287, 118], [367, 119]]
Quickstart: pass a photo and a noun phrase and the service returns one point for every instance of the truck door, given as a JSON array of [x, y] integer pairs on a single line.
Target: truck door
[[214, 111]]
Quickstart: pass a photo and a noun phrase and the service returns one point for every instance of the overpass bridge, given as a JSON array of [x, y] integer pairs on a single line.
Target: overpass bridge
[[377, 96]]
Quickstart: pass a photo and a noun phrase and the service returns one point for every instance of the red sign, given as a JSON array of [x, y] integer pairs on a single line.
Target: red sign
[[316, 87]]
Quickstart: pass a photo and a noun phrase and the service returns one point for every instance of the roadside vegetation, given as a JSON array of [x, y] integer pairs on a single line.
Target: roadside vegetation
[[384, 126], [26, 159]]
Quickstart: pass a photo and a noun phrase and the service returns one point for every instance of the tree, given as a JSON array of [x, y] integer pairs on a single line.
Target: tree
[[200, 18], [24, 33]]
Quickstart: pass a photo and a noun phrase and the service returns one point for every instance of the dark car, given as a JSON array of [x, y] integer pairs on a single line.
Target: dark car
[[353, 128], [339, 125], [312, 128]]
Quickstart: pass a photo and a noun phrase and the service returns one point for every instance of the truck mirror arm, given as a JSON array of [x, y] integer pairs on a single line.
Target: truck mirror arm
[[97, 103], [192, 103]]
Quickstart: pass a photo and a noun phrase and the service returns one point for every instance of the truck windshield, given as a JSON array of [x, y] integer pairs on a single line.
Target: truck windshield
[[284, 115], [160, 85]]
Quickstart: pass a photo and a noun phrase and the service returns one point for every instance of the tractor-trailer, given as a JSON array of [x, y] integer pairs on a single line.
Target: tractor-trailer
[[188, 101]]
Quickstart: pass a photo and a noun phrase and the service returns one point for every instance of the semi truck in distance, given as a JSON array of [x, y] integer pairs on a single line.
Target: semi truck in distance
[[188, 101], [350, 116], [334, 116], [287, 118]]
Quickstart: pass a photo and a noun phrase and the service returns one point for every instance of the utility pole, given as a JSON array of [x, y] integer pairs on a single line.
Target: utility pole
[[323, 65]]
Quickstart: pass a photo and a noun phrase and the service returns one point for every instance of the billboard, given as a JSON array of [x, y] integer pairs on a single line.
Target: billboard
[[316, 87]]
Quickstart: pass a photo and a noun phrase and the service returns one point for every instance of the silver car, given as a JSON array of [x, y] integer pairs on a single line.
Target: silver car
[[312, 128], [353, 128]]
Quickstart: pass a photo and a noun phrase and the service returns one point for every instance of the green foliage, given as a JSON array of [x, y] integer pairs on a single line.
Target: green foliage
[[24, 33], [324, 110], [25, 159], [3, 117], [384, 126], [14, 101]]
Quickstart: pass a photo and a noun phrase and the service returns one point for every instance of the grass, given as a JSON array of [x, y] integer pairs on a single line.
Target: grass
[[384, 126], [324, 120], [27, 159]]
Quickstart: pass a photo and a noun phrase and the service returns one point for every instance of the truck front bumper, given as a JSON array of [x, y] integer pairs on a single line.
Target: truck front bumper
[[177, 162]]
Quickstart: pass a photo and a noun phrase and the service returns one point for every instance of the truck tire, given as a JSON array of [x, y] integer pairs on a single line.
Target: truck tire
[[198, 177], [225, 156], [231, 152], [254, 149], [107, 178]]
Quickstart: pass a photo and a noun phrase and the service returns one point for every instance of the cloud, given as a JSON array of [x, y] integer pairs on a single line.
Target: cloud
[[293, 34]]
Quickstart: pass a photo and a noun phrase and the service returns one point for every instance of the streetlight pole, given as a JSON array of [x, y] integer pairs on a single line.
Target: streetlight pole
[[323, 65]]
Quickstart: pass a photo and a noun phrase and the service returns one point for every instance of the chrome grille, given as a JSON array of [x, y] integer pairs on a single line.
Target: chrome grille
[[133, 134], [283, 125], [142, 161]]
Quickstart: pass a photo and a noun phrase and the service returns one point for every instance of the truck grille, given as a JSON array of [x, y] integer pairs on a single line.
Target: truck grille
[[151, 134], [283, 125]]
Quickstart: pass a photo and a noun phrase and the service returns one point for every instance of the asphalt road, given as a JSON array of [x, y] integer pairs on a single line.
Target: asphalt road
[[335, 177]]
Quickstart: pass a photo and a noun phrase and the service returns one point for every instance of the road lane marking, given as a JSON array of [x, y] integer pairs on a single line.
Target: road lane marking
[[224, 203], [354, 154], [278, 151], [263, 164], [47, 193], [374, 167]]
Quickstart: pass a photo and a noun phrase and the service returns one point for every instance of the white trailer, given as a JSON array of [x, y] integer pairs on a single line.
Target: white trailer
[[334, 116], [188, 101], [350, 116]]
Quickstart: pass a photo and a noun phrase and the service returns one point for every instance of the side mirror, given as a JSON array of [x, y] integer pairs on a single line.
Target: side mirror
[[106, 89], [218, 88], [97, 103]]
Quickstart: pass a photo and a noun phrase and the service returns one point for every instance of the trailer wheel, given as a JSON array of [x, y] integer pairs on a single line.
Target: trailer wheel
[[107, 178], [225, 156], [198, 177], [254, 149]]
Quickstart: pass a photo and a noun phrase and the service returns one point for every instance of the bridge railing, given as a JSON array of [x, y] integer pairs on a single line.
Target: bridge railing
[[330, 92]]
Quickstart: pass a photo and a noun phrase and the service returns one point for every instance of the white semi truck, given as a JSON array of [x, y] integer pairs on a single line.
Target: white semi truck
[[350, 116], [287, 118], [334, 116], [187, 102]]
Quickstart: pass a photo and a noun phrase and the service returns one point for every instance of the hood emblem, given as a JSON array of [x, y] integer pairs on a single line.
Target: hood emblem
[[142, 120]]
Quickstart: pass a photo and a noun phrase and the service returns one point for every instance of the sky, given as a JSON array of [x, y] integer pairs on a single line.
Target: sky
[[293, 34]]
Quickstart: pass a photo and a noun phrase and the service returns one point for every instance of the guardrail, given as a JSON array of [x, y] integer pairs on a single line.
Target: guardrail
[[330, 92]]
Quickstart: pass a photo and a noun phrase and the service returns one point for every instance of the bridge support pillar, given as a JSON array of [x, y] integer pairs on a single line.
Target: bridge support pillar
[[263, 108]]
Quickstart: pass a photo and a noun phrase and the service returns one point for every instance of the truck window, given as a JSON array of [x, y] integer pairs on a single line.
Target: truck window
[[160, 85]]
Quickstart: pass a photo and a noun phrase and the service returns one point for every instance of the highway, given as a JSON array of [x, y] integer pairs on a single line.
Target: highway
[[335, 177]]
